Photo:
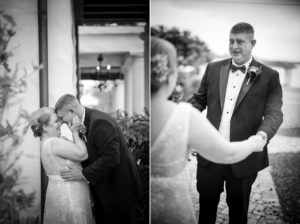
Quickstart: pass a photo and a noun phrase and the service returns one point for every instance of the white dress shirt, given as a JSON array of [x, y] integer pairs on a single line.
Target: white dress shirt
[[234, 84]]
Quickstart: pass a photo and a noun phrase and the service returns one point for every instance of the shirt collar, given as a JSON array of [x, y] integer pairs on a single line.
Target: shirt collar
[[247, 63], [83, 117]]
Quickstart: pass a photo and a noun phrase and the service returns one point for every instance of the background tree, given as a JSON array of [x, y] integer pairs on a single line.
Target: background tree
[[191, 52], [190, 49]]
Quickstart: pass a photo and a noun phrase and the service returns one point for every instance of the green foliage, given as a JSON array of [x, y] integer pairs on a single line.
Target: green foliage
[[136, 131], [12, 199]]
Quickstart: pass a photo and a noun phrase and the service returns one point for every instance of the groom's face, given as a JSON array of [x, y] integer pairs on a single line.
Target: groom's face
[[65, 115], [240, 47]]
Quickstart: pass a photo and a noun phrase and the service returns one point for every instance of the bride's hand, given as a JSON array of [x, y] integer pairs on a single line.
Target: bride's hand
[[257, 142], [76, 124]]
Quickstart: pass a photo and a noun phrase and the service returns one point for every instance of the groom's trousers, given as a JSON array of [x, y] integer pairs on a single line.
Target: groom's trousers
[[128, 217], [210, 184]]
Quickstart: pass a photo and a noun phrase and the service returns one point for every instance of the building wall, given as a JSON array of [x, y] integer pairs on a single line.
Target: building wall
[[61, 49], [61, 53], [62, 77]]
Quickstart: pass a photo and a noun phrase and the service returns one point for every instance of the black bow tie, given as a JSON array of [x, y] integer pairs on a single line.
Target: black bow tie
[[242, 68]]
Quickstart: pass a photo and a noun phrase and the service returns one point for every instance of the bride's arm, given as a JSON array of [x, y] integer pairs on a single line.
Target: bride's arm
[[211, 145], [76, 151], [80, 144], [73, 151]]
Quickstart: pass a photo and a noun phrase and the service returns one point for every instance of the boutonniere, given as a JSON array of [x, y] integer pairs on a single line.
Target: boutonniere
[[83, 130], [253, 73]]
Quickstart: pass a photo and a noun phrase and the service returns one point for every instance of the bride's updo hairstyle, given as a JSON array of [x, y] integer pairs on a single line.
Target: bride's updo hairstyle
[[40, 118], [163, 62]]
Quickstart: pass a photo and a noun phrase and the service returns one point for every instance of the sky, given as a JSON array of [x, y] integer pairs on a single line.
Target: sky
[[276, 23]]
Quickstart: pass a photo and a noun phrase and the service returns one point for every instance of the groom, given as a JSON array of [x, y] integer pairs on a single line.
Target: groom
[[116, 184], [243, 97]]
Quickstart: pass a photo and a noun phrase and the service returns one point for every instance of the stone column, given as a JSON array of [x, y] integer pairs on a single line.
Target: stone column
[[127, 70], [61, 52], [134, 78], [61, 49], [145, 37], [118, 95], [138, 83]]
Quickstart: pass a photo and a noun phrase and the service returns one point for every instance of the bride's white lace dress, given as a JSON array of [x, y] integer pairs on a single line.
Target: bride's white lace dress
[[66, 202], [171, 200]]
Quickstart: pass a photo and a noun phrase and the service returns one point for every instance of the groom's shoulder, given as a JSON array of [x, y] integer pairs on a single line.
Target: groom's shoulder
[[265, 68], [97, 115], [100, 114]]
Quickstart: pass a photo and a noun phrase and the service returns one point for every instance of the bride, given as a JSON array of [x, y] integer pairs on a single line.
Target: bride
[[174, 127], [66, 202]]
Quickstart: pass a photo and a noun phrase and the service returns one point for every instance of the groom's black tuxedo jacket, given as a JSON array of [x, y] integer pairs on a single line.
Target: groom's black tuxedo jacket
[[258, 108], [115, 181]]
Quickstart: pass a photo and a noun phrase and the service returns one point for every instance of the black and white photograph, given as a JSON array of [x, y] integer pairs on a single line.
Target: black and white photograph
[[225, 104], [149, 111], [74, 111]]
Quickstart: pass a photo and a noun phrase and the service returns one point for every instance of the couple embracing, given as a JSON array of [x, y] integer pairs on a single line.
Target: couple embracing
[[92, 179]]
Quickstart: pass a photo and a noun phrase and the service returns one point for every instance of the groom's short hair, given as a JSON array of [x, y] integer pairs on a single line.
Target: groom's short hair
[[242, 28], [66, 101]]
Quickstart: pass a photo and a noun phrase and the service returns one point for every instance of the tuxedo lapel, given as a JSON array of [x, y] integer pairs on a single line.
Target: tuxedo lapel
[[245, 87], [224, 73]]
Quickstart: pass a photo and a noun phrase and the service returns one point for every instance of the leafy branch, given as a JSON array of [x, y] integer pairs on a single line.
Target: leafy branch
[[12, 83]]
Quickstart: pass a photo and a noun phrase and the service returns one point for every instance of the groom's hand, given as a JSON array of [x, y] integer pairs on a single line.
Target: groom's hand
[[72, 174], [263, 135]]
